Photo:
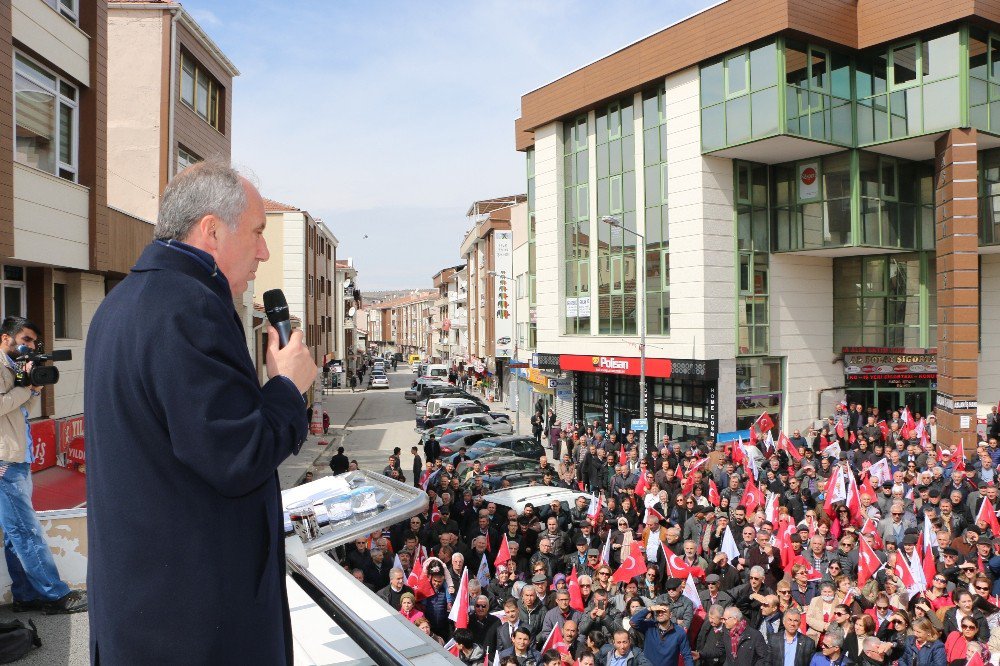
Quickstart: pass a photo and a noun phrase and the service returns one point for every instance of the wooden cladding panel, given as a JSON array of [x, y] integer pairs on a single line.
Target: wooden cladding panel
[[190, 129], [6, 133], [850, 23], [41, 311], [127, 237], [93, 151]]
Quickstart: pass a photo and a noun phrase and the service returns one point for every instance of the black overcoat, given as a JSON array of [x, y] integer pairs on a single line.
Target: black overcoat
[[186, 553]]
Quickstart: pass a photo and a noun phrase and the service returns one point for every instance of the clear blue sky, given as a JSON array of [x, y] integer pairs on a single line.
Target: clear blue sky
[[390, 118]]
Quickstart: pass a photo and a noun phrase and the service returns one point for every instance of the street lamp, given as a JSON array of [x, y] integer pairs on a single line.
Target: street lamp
[[517, 377], [616, 223]]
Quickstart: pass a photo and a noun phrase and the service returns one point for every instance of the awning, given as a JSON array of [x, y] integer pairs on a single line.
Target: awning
[[58, 488]]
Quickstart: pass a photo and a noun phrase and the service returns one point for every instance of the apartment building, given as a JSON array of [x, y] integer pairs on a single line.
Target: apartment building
[[798, 201], [302, 265], [487, 252], [402, 323], [444, 320], [347, 347]]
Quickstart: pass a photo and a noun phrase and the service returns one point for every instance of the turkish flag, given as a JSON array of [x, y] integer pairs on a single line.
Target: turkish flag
[[988, 515], [868, 562], [753, 497], [555, 642], [435, 514], [573, 587], [421, 584], [633, 565], [753, 437], [811, 572], [650, 511], [460, 607], [503, 553], [622, 458], [868, 489], [738, 454], [786, 444], [678, 568], [713, 494], [452, 647], [869, 527], [765, 423], [641, 487], [976, 660], [958, 455], [884, 427], [902, 570], [840, 430]]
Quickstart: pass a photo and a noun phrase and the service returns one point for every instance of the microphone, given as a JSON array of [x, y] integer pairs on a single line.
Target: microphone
[[276, 309]]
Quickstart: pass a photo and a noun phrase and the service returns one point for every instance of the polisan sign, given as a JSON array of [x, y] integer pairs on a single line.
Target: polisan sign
[[615, 365]]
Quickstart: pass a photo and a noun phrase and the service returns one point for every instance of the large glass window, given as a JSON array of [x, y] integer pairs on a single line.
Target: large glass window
[[812, 203], [752, 247], [616, 247], [984, 80], [654, 151], [910, 88], [45, 119], [739, 97], [532, 325], [758, 390], [13, 292], [897, 202], [885, 301], [67, 8], [818, 93], [576, 192], [989, 197], [200, 91]]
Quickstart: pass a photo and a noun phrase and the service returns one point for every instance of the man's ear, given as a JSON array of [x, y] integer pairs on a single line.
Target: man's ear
[[206, 230]]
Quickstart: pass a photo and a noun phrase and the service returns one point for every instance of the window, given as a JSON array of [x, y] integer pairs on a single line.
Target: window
[[200, 91], [576, 227], [45, 111], [67, 8], [13, 292], [739, 96], [654, 156], [59, 314], [752, 239], [185, 158]]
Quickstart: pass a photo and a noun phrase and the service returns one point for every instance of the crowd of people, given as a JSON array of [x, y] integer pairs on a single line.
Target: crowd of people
[[865, 541]]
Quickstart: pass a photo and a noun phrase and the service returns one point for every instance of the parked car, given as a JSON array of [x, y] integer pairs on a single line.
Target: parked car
[[508, 480], [443, 410], [451, 443], [517, 445], [448, 428], [516, 498], [416, 391], [379, 382], [498, 463], [500, 427]]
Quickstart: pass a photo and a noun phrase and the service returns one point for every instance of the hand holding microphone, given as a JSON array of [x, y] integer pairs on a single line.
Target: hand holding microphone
[[287, 353]]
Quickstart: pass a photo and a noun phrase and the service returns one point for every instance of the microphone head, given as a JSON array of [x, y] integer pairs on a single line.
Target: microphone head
[[275, 306], [23, 349]]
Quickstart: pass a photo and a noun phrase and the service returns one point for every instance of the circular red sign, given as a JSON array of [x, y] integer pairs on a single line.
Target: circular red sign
[[868, 369], [900, 368], [809, 175]]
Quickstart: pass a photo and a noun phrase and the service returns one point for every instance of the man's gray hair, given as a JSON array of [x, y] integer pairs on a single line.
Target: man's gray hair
[[733, 612], [757, 571], [716, 610], [834, 639], [211, 187]]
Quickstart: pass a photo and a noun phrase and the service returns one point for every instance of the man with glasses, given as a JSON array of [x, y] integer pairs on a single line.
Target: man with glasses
[[749, 596], [664, 641], [559, 616], [483, 624], [831, 653], [893, 528], [790, 647]]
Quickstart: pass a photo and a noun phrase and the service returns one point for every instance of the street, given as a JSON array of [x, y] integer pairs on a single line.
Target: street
[[368, 424]]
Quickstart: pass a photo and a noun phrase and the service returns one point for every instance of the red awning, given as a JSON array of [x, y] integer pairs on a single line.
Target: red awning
[[58, 488]]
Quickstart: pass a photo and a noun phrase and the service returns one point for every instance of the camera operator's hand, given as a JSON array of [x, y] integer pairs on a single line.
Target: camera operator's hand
[[294, 361], [27, 370]]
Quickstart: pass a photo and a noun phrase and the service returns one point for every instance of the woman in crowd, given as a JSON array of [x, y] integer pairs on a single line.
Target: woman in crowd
[[922, 647], [407, 607], [863, 627]]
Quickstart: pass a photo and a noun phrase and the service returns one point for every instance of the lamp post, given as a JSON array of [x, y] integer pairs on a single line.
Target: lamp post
[[517, 377], [616, 223]]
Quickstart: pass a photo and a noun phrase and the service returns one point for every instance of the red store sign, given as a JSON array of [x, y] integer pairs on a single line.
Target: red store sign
[[72, 453], [615, 365], [43, 444]]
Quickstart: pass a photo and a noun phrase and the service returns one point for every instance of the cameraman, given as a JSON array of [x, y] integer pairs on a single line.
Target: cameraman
[[35, 581]]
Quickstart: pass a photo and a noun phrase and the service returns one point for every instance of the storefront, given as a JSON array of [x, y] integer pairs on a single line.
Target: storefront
[[60, 462], [681, 395], [890, 378]]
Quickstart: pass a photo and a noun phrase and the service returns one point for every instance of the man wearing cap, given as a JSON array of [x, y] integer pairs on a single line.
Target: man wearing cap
[[966, 543], [664, 641], [578, 558], [713, 593], [681, 608]]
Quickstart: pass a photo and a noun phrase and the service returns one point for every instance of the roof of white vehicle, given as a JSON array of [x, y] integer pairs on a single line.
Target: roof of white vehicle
[[516, 498]]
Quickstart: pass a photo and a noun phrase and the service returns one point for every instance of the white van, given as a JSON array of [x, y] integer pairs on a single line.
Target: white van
[[437, 370], [436, 405]]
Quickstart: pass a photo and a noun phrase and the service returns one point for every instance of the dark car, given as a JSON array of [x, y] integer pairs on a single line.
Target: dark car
[[448, 414], [452, 442], [498, 463], [515, 479], [521, 446]]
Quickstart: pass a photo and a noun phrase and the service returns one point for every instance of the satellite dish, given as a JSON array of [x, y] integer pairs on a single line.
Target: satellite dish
[[347, 283], [350, 313]]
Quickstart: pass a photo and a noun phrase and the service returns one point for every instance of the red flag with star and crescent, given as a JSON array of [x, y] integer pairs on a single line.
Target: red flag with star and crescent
[[868, 562], [575, 594], [633, 565], [753, 497]]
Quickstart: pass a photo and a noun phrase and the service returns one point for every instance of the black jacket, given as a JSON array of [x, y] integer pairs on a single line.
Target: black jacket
[[804, 650], [752, 649], [709, 646], [179, 426]]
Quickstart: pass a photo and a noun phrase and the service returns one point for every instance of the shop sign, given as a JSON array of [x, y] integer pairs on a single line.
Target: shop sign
[[615, 365], [949, 403], [808, 181], [895, 378], [583, 307], [43, 444], [571, 308], [536, 377], [640, 425], [503, 257], [545, 361], [72, 453], [564, 389], [869, 362]]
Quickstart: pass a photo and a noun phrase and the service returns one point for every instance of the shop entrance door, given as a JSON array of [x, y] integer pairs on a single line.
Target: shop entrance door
[[889, 400], [917, 400]]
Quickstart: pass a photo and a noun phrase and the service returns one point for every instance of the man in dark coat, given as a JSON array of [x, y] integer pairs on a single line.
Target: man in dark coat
[[751, 648], [339, 463], [184, 514]]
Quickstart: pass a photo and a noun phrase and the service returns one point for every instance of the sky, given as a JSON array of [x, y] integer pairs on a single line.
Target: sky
[[388, 119]]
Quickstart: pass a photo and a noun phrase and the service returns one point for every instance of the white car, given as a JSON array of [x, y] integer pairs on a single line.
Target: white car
[[486, 421], [380, 381]]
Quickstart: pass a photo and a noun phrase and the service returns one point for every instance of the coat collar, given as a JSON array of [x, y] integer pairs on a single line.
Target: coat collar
[[176, 256]]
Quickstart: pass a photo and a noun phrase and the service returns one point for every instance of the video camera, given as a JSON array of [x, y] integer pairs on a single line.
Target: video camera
[[40, 374]]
